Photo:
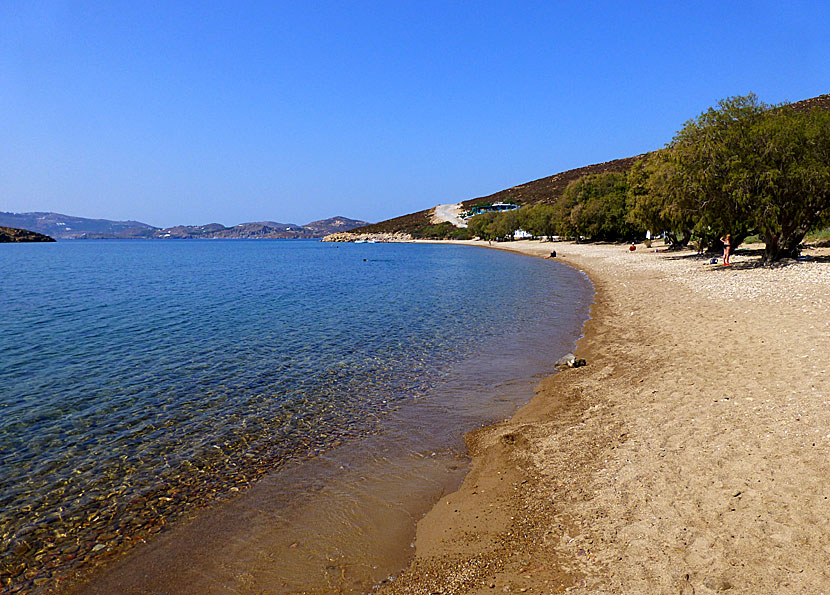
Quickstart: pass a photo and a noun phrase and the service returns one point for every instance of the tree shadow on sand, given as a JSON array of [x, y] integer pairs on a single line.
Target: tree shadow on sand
[[757, 254]]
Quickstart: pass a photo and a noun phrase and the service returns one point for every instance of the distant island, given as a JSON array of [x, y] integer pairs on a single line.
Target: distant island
[[13, 234], [67, 227]]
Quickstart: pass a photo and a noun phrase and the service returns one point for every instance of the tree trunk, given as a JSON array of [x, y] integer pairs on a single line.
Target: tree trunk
[[783, 245]]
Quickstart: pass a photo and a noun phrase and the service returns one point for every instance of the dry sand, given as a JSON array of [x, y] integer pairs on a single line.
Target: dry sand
[[691, 455]]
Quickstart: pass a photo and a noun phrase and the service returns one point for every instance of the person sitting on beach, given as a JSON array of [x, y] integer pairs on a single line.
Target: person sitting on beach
[[726, 246]]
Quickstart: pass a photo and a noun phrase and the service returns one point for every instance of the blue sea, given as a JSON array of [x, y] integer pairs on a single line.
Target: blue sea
[[141, 380]]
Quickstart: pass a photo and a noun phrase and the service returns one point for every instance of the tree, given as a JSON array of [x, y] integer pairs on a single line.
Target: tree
[[744, 167], [525, 218], [537, 220], [477, 225], [653, 208], [502, 226], [707, 168], [790, 192], [562, 209], [597, 207]]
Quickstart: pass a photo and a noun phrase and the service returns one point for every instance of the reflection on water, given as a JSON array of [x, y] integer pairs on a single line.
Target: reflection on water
[[146, 379]]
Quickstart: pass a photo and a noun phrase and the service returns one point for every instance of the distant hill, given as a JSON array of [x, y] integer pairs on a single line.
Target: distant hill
[[261, 230], [213, 231], [333, 225], [67, 227], [822, 101], [11, 234], [543, 190]]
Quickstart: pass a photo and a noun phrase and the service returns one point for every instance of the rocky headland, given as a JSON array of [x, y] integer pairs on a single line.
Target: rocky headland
[[368, 237], [13, 234]]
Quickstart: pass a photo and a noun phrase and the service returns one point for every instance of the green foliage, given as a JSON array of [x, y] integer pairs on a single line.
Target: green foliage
[[459, 233], [477, 226], [818, 235], [707, 169], [597, 206], [538, 220], [503, 226], [594, 206], [790, 194], [652, 207], [442, 231], [744, 167], [494, 226]]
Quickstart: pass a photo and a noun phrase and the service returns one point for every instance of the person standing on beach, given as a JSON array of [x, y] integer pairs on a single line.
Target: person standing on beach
[[726, 241]]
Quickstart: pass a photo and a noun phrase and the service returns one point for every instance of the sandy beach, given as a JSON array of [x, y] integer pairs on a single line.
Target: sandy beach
[[690, 455]]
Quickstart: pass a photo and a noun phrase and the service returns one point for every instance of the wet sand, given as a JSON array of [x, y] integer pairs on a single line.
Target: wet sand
[[690, 455]]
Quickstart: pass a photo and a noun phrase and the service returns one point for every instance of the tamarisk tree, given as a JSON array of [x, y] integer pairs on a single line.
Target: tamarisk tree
[[596, 206], [745, 167], [791, 190], [653, 207]]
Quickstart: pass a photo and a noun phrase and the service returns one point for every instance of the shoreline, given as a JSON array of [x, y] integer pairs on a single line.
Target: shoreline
[[690, 455], [477, 538]]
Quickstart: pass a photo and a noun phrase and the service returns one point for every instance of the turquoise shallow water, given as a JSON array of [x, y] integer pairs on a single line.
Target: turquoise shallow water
[[141, 379]]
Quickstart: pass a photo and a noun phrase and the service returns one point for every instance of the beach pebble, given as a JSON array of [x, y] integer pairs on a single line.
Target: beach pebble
[[717, 583]]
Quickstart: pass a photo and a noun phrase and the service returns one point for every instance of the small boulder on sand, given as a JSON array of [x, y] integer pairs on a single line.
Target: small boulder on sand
[[570, 361]]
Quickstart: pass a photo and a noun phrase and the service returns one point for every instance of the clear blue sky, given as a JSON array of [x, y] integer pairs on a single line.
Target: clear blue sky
[[174, 112]]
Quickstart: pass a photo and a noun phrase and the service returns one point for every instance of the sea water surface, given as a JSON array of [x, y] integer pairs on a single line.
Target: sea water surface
[[143, 380]]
